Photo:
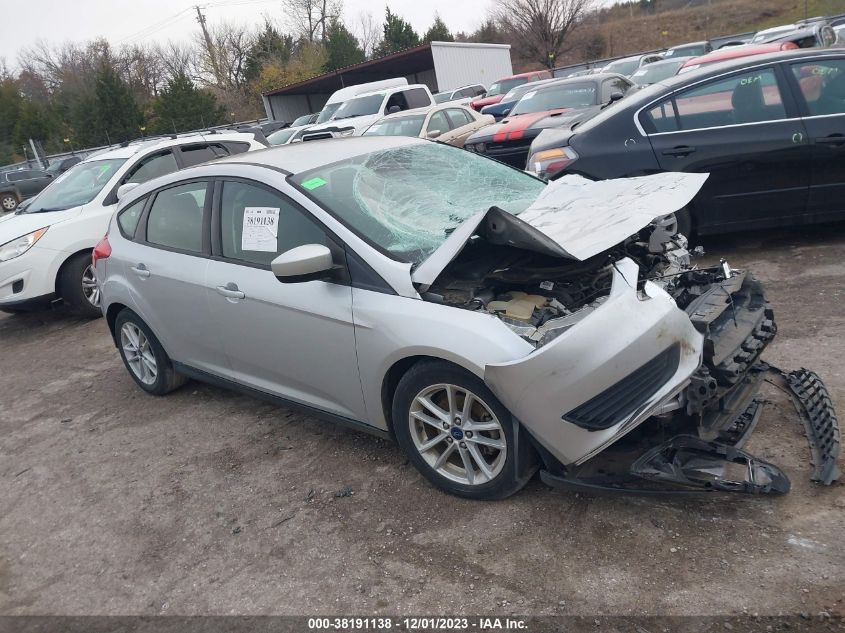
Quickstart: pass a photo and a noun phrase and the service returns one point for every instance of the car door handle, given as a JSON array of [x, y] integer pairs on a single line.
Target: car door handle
[[833, 139], [681, 150], [230, 291], [141, 271]]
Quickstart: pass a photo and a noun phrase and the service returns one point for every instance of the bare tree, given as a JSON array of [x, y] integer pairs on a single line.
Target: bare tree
[[311, 17], [231, 45], [540, 26], [178, 59], [368, 32]]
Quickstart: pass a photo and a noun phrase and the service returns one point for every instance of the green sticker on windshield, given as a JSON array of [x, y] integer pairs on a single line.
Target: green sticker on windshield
[[313, 183]]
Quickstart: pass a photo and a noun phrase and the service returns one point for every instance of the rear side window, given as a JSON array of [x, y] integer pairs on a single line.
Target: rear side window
[[236, 147], [176, 217], [750, 97], [152, 167], [417, 98], [197, 154], [822, 85], [128, 219], [242, 237]]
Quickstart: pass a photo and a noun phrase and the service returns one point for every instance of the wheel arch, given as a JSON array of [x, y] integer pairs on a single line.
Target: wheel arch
[[394, 374], [111, 317], [65, 263]]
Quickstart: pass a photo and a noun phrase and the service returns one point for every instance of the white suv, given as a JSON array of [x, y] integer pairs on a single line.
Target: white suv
[[45, 249], [359, 113]]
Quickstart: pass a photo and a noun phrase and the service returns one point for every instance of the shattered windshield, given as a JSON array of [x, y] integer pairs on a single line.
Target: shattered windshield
[[77, 186], [407, 200], [410, 125]]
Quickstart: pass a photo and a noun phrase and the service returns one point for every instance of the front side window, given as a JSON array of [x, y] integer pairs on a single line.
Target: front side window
[[661, 118], [76, 186], [152, 167], [438, 122], [176, 217], [328, 111], [458, 117], [822, 85], [257, 225], [407, 200], [750, 97]]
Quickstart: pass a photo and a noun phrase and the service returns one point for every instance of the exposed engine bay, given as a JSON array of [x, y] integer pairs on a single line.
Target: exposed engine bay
[[540, 296]]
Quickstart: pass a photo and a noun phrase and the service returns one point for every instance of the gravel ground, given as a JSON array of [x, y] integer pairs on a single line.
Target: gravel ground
[[208, 502]]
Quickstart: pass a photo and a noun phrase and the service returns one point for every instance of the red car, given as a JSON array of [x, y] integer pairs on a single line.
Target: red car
[[501, 87], [735, 52]]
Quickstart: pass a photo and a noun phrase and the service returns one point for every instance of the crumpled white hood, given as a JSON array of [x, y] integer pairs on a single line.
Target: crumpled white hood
[[586, 217], [573, 217]]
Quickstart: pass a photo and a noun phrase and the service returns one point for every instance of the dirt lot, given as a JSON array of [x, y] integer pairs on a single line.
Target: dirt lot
[[208, 502]]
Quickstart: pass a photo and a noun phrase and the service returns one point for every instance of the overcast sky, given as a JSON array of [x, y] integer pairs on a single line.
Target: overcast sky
[[159, 20]]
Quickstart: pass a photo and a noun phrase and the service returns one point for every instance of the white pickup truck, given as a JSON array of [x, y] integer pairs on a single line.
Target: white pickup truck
[[357, 114]]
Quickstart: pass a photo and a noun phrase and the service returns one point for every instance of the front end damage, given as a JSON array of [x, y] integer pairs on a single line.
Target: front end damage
[[647, 369]]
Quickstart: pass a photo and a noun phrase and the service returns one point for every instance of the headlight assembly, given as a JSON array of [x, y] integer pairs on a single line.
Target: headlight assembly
[[20, 245]]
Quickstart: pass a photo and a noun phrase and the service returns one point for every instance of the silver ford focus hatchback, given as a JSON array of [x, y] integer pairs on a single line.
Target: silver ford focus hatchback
[[491, 323]]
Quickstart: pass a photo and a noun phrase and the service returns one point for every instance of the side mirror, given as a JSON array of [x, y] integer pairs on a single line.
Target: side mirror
[[125, 188], [616, 96], [394, 109], [303, 263], [506, 112], [434, 133]]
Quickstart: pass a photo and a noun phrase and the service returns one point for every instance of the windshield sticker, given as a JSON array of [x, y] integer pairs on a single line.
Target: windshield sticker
[[313, 183], [260, 229]]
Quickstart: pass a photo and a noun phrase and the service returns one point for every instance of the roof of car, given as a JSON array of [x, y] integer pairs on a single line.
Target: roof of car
[[384, 91], [677, 46], [300, 157], [448, 105], [133, 148], [736, 52], [731, 64]]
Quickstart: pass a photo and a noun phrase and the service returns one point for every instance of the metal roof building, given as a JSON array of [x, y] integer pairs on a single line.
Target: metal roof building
[[438, 65]]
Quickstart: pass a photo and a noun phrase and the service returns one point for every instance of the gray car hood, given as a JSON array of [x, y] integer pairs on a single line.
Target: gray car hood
[[573, 217]]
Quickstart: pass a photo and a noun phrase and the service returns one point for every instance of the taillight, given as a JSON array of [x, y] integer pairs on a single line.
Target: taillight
[[551, 161], [101, 250]]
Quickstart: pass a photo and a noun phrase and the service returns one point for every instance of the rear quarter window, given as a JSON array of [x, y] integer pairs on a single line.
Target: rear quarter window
[[128, 218]]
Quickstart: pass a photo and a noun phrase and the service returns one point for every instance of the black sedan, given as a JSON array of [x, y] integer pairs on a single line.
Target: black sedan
[[553, 104], [769, 129]]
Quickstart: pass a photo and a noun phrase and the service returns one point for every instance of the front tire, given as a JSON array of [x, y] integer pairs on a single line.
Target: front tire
[[456, 432], [8, 202], [143, 356], [78, 286]]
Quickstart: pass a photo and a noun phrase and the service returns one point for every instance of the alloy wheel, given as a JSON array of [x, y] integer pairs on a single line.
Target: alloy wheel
[[138, 353], [457, 434], [89, 286], [9, 203]]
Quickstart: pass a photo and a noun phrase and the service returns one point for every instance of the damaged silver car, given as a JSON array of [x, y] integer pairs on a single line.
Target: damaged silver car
[[492, 324]]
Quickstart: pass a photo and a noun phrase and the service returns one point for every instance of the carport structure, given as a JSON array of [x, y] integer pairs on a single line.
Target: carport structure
[[438, 65]]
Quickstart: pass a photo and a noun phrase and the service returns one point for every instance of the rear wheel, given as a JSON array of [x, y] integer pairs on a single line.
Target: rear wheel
[[8, 202], [78, 286], [456, 432], [143, 356]]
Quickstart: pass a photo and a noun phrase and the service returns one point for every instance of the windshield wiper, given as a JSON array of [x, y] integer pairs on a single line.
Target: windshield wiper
[[46, 210]]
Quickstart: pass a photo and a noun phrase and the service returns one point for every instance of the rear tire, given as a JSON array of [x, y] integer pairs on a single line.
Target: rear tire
[[445, 439], [78, 286], [8, 202], [143, 356]]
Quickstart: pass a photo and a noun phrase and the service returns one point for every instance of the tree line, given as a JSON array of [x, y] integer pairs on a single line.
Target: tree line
[[79, 95]]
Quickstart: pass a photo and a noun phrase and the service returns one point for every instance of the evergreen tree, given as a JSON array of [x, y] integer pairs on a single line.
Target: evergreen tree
[[438, 32], [111, 115], [270, 46], [342, 47], [397, 35], [181, 105]]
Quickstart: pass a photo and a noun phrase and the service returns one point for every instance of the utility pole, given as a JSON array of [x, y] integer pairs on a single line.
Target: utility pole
[[208, 45]]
